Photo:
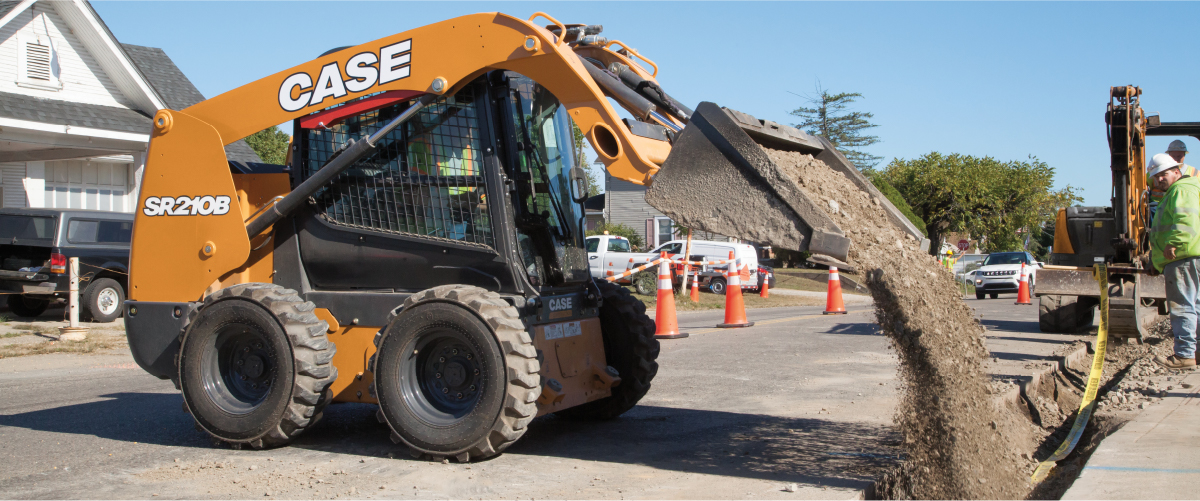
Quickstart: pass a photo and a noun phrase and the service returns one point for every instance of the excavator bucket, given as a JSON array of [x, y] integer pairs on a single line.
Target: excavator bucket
[[719, 178]]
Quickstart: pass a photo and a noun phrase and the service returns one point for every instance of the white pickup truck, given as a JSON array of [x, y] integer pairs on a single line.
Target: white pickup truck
[[612, 253]]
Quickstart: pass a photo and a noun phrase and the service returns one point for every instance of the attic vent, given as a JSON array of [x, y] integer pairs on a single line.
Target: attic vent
[[37, 61], [37, 65]]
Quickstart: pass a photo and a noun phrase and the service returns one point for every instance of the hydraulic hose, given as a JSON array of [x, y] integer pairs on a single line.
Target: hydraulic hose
[[651, 90], [638, 105]]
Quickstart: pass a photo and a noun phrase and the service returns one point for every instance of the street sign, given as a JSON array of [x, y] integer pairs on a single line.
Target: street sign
[[963, 245]]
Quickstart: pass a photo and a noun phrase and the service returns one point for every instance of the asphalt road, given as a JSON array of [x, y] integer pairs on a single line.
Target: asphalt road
[[799, 398]]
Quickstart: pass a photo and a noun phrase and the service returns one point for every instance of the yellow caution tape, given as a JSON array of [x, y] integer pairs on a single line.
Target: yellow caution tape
[[1089, 396]]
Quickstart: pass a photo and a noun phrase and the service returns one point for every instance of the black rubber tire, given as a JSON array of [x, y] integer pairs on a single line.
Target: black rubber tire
[[296, 364], [95, 293], [23, 306], [995, 295], [980, 295], [717, 285], [1065, 314], [480, 322], [629, 347], [646, 283]]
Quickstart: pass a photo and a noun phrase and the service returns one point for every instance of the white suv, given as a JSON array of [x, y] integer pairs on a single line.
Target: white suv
[[1001, 272]]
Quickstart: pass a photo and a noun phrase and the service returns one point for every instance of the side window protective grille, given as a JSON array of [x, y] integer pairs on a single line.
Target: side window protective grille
[[425, 178]]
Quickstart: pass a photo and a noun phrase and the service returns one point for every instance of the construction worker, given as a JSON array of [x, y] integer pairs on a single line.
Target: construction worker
[[1175, 251], [1177, 150]]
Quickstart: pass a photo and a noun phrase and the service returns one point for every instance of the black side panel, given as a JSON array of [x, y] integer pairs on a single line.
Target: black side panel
[[1091, 230], [346, 258], [368, 308], [153, 334], [289, 271]]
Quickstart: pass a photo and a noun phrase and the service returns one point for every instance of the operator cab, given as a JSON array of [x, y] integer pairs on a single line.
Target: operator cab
[[474, 190]]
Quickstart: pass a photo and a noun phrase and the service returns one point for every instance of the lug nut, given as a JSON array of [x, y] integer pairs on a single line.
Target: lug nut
[[445, 390], [460, 395], [441, 359], [244, 377], [438, 375], [468, 356], [476, 372], [241, 362], [472, 388], [454, 351]]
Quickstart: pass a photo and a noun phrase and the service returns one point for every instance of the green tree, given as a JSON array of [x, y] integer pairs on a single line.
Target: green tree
[[270, 144], [581, 146], [1003, 204], [827, 116], [896, 198]]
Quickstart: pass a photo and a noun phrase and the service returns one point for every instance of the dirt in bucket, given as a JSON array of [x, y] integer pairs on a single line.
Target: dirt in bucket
[[960, 444]]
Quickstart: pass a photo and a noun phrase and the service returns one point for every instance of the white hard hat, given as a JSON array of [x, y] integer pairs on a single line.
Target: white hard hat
[[1159, 163], [1177, 145]]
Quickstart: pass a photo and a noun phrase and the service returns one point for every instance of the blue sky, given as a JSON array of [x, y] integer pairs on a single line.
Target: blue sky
[[1006, 80]]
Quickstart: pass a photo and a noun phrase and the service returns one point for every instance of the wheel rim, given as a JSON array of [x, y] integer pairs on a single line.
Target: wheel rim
[[108, 301], [718, 286], [238, 369], [443, 376]]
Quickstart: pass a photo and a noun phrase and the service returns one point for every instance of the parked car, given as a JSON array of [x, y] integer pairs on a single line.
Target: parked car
[[1001, 272], [37, 244]]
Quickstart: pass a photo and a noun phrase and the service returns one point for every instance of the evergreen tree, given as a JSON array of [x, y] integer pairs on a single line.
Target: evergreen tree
[[828, 117]]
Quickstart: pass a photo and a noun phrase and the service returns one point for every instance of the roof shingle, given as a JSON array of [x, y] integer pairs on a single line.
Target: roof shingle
[[56, 112]]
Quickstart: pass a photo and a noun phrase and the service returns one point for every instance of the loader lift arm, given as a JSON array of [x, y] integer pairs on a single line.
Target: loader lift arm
[[582, 71]]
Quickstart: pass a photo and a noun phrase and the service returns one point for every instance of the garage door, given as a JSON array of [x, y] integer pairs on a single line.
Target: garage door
[[84, 184]]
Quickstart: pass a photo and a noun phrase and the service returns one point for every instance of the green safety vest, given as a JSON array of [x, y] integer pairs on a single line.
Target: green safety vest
[[1155, 195], [1177, 223]]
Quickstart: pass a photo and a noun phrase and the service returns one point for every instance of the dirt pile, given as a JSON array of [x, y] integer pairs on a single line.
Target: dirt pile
[[959, 444]]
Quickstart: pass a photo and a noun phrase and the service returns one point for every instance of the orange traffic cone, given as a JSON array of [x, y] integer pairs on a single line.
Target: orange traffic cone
[[666, 325], [763, 285], [695, 285], [735, 308], [1023, 289], [833, 301]]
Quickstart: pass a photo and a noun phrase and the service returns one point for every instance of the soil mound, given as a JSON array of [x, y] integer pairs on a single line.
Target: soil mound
[[959, 443]]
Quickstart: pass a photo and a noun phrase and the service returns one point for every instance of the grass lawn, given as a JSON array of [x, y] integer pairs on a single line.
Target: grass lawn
[[710, 301], [794, 278]]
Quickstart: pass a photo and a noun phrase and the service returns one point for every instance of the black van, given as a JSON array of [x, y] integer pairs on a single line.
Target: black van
[[35, 245]]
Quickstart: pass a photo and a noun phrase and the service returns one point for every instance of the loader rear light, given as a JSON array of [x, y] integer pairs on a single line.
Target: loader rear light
[[58, 263]]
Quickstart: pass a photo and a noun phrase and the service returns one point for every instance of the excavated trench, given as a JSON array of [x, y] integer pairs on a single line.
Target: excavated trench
[[964, 436]]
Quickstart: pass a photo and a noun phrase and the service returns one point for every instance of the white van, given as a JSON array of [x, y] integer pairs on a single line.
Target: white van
[[715, 251]]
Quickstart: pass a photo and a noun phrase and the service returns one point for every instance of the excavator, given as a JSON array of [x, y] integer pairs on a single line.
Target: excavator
[[423, 248], [1116, 235]]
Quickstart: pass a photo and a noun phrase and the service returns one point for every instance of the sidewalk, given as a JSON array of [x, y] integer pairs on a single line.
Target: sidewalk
[[1154, 456]]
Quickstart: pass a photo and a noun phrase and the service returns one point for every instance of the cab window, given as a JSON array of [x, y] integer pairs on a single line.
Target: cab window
[[617, 245], [593, 244], [674, 248]]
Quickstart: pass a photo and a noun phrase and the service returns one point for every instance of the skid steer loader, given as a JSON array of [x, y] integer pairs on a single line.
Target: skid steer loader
[[423, 248]]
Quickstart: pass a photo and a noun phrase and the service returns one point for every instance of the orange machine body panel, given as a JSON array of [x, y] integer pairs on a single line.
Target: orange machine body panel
[[573, 354], [188, 228]]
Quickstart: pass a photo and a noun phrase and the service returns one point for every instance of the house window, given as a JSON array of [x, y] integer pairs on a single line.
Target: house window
[[664, 230], [37, 63]]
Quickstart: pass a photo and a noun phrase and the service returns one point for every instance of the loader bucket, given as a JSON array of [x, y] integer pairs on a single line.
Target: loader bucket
[[718, 178]]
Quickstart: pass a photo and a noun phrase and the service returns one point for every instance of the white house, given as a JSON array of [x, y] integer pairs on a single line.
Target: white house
[[75, 108]]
